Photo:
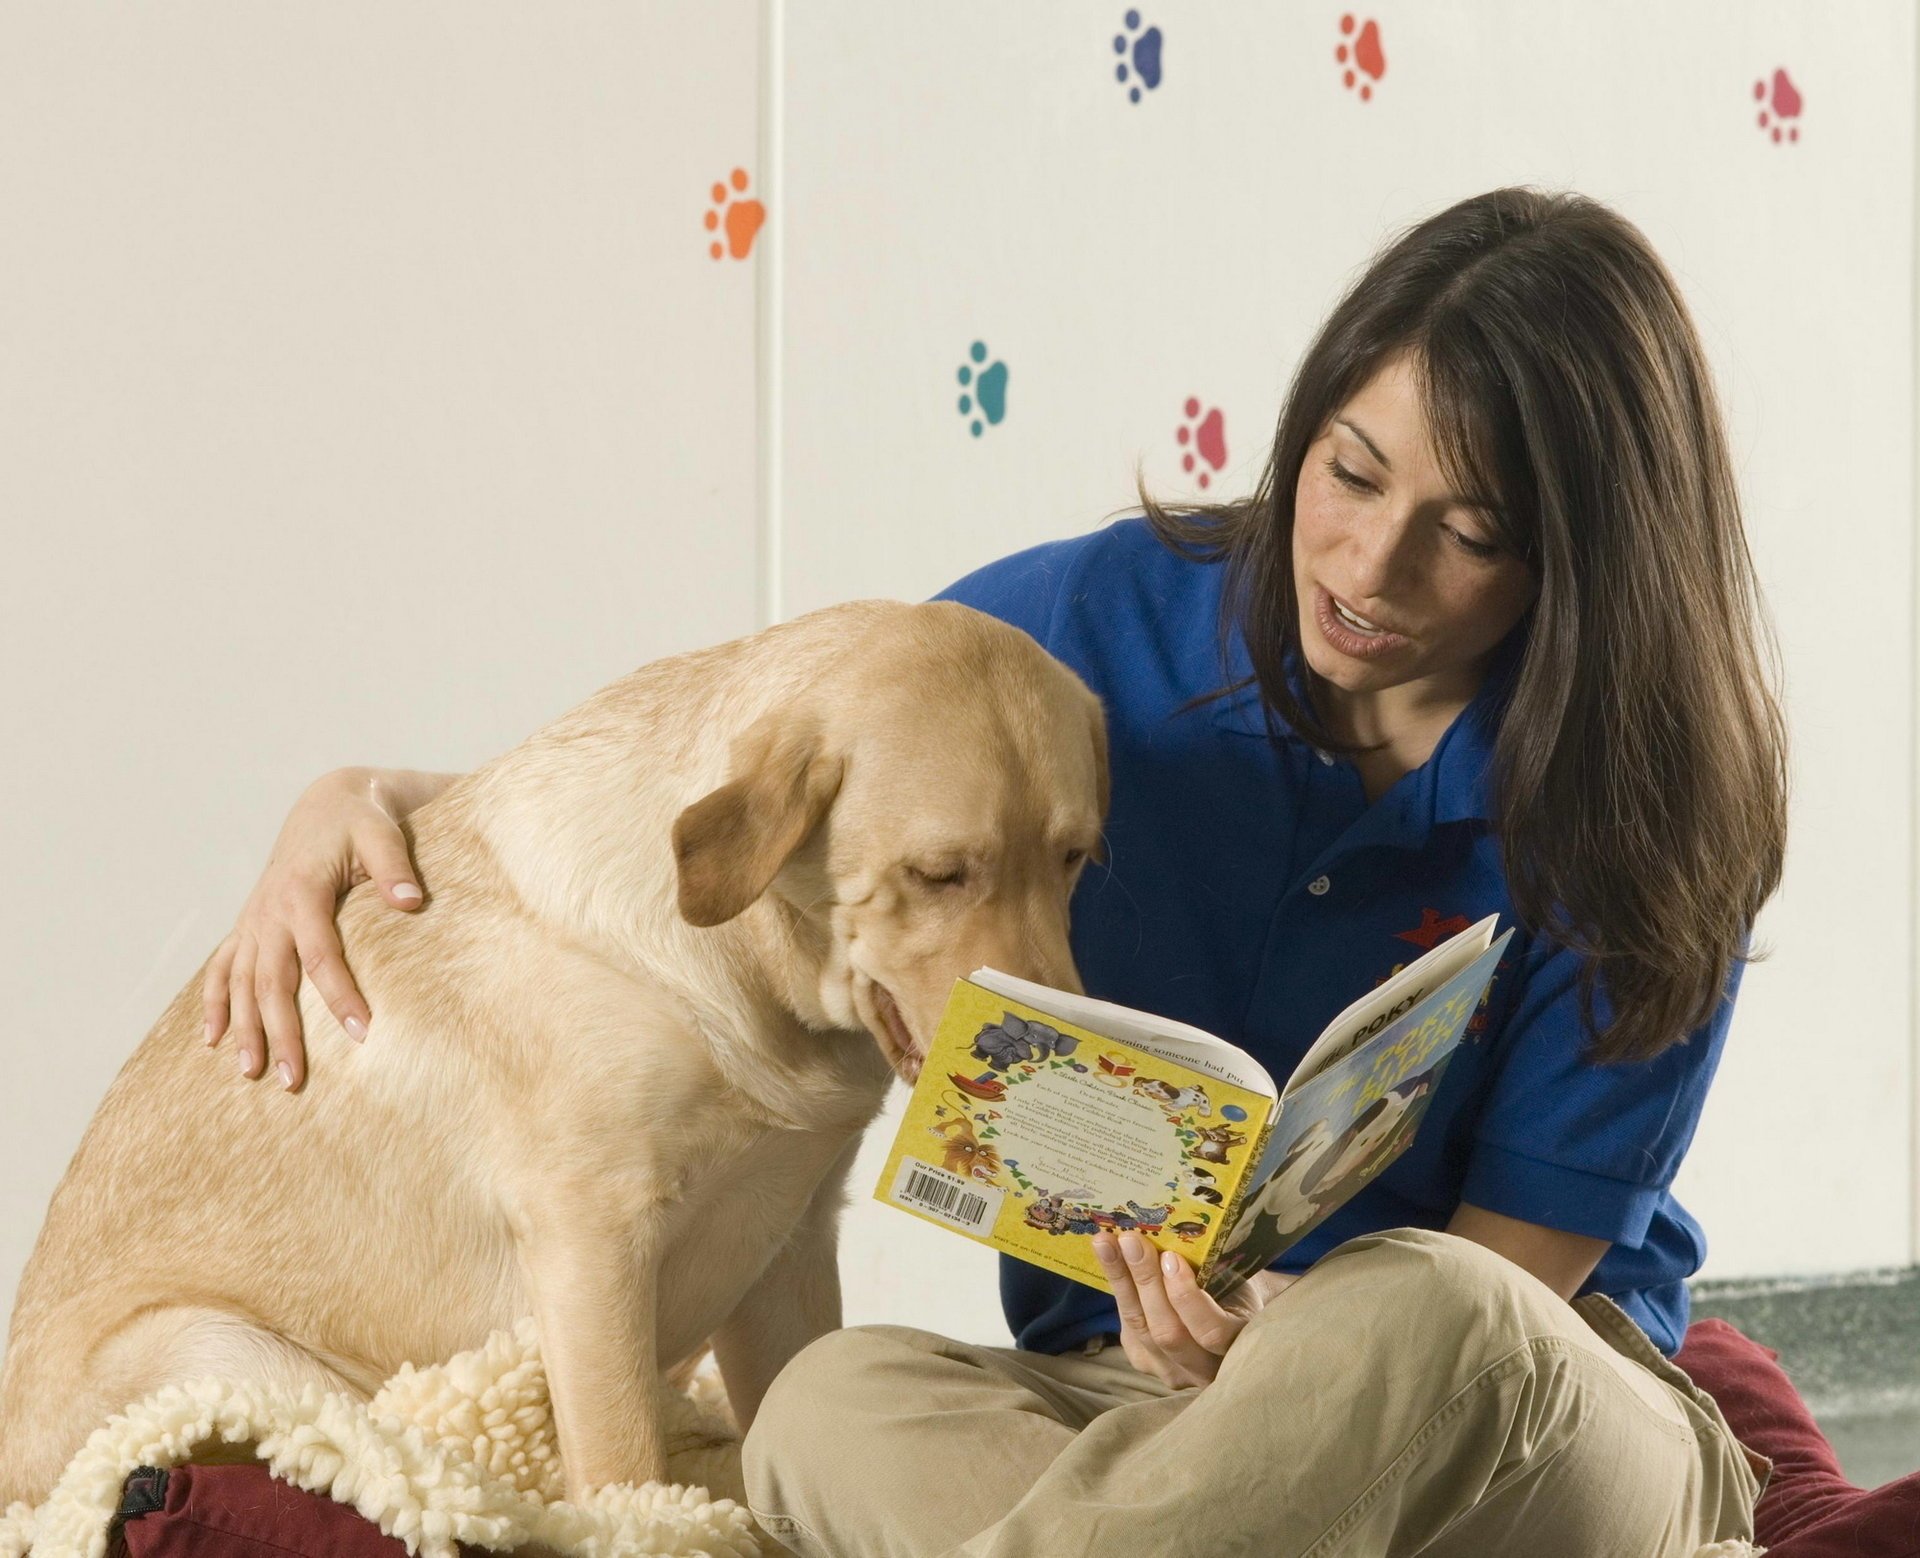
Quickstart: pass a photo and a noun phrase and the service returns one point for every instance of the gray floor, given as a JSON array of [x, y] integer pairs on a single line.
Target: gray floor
[[1852, 1346], [1874, 1450]]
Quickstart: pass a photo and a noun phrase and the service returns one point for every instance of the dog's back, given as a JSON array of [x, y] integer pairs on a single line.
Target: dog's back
[[211, 1227], [202, 1218]]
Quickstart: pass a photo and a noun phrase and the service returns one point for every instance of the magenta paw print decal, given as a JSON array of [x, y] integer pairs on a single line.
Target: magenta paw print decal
[[1204, 440], [1779, 103]]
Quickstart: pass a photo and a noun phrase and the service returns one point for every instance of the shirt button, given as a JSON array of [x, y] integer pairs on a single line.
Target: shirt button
[[1327, 758], [1319, 885]]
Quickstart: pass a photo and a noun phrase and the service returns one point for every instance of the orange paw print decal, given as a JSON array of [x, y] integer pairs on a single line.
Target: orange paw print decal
[[734, 217], [1365, 59]]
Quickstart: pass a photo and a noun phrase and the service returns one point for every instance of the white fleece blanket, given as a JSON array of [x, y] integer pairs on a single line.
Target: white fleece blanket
[[463, 1451], [460, 1452]]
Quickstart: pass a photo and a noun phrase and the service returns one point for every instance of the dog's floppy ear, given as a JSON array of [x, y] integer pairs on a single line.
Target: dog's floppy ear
[[730, 844], [1102, 779]]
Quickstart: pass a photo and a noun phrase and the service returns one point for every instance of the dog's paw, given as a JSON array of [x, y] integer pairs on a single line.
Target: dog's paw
[[702, 1444]]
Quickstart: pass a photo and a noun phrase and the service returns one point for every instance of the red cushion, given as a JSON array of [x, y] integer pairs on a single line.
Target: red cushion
[[245, 1512], [1809, 1509]]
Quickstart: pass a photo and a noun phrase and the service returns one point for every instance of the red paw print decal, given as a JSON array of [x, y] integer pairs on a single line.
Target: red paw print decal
[[1779, 102], [1204, 438], [1365, 59]]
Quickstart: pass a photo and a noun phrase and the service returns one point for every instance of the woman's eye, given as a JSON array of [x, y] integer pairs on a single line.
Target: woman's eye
[[953, 878], [1357, 483], [1346, 477], [1477, 548]]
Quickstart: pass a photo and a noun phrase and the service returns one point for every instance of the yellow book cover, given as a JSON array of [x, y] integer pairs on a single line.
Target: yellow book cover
[[1031, 1134]]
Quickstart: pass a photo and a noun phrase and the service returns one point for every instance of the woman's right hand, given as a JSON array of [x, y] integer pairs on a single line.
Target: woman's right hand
[[343, 830], [1170, 1327]]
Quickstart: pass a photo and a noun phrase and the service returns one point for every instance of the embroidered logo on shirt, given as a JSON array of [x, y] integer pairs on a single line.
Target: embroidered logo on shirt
[[1432, 930]]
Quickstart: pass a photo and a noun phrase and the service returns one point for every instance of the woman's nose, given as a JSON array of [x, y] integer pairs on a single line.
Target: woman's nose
[[1382, 556]]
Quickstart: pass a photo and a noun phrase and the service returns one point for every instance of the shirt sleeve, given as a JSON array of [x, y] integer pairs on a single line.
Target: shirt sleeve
[[1022, 589], [1587, 1148]]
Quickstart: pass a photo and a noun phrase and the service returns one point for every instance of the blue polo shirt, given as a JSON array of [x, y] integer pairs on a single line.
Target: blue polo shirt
[[1250, 888]]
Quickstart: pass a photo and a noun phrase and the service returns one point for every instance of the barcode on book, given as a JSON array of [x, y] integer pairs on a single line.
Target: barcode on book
[[948, 1197]]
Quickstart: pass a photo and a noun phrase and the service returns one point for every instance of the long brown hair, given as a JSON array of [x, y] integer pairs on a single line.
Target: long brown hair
[[1639, 779]]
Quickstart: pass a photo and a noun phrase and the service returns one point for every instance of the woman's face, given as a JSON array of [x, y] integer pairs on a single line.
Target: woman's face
[[1377, 531]]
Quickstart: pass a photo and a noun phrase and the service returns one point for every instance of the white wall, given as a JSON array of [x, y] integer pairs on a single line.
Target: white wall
[[368, 395]]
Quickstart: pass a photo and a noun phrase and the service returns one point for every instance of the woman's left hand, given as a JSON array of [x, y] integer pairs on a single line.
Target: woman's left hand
[[1169, 1326]]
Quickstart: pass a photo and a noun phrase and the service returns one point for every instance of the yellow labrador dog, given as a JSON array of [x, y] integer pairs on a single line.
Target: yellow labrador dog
[[678, 943]]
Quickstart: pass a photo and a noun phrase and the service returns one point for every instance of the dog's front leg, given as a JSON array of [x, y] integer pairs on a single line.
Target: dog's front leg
[[793, 1302], [592, 1271]]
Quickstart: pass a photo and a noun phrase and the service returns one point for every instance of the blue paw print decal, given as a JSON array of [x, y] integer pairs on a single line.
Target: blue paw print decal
[[1139, 52], [986, 398]]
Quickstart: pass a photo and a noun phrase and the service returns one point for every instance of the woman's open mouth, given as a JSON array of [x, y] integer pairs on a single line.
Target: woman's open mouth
[[1351, 634], [896, 1040]]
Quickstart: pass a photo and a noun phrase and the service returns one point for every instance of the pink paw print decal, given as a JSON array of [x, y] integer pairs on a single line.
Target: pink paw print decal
[[1777, 105], [1204, 437], [1365, 59]]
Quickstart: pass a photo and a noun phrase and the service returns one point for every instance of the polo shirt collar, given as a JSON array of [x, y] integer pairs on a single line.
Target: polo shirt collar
[[1453, 785]]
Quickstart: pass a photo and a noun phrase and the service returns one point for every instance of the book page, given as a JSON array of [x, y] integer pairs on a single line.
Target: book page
[[1179, 1042], [1030, 1133], [1341, 1128], [1389, 1001]]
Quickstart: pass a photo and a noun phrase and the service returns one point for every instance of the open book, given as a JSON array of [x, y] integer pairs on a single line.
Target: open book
[[1041, 1117]]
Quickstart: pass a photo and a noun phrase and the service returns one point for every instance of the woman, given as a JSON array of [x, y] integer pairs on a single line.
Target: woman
[[1483, 640]]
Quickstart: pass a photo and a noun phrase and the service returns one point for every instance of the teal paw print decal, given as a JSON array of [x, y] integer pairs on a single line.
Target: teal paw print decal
[[985, 400]]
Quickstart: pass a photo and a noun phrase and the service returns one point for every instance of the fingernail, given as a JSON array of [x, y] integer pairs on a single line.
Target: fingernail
[[1130, 1244], [1169, 1262], [1105, 1251], [286, 1075], [406, 891], [356, 1029], [242, 1060], [209, 1032]]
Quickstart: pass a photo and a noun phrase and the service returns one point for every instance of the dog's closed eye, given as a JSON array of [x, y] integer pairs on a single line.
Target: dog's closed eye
[[939, 876]]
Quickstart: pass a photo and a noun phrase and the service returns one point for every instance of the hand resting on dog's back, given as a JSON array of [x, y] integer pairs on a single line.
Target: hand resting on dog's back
[[342, 831]]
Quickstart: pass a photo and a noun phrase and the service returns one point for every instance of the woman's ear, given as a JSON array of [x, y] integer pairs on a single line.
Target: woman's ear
[[730, 844]]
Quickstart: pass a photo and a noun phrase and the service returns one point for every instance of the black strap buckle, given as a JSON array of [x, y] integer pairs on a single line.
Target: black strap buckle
[[144, 1492]]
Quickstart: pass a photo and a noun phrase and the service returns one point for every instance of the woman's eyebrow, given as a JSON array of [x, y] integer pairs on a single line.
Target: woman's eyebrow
[[1372, 448], [1465, 500]]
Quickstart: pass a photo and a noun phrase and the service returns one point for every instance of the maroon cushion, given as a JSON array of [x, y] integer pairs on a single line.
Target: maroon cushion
[[241, 1512], [1809, 1508]]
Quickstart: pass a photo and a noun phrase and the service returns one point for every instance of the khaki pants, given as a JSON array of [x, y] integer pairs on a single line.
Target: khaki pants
[[1413, 1393]]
